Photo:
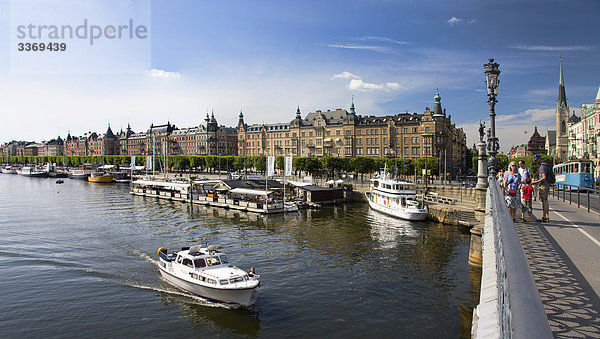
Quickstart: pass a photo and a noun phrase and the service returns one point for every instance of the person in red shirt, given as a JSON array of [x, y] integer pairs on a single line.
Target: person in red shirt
[[527, 191]]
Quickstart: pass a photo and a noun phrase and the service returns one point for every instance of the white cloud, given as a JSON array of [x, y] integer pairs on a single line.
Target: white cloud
[[345, 75], [359, 85], [159, 73], [552, 48], [381, 49], [454, 20], [382, 39]]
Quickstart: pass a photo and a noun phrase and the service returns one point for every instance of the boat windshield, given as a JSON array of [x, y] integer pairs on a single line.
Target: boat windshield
[[199, 263], [224, 259], [212, 261]]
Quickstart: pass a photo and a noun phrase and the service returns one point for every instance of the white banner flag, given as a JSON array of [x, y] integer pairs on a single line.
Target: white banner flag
[[288, 166], [149, 163], [270, 165], [132, 162]]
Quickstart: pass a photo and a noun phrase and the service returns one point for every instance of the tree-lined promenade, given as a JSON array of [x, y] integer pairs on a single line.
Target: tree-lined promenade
[[193, 163]]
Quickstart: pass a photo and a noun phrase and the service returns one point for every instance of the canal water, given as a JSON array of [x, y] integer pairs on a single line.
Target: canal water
[[78, 260]]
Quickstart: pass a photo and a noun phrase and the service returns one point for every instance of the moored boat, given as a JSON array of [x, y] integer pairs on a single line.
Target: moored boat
[[100, 177], [30, 171], [9, 170], [396, 198], [81, 174], [206, 272]]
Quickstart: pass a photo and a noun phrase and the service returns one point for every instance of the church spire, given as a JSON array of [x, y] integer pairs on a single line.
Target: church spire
[[562, 95], [352, 111]]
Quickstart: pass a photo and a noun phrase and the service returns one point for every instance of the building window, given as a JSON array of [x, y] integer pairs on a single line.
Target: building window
[[427, 129], [415, 130], [405, 129], [358, 132], [406, 140], [318, 133], [337, 132], [377, 151], [303, 134], [376, 141], [310, 134]]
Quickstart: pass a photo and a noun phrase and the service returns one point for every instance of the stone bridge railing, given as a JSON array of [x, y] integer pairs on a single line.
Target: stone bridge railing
[[509, 305]]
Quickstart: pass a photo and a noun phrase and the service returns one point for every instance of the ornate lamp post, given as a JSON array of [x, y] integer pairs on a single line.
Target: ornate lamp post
[[491, 78]]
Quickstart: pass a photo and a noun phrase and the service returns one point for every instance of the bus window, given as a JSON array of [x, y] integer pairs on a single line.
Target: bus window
[[575, 168]]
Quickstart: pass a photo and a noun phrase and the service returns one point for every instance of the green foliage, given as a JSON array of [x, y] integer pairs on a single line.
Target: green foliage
[[259, 163], [363, 165], [431, 163], [279, 162]]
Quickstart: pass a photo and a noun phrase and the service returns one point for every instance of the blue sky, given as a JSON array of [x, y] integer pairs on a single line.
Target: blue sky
[[268, 57]]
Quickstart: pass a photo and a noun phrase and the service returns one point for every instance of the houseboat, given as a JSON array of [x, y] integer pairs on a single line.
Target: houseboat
[[396, 198]]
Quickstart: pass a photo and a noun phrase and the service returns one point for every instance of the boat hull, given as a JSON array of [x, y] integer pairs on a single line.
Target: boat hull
[[9, 171], [243, 297], [79, 176], [402, 213], [35, 174], [100, 179]]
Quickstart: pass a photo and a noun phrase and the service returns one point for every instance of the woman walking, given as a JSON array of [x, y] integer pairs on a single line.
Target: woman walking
[[511, 183]]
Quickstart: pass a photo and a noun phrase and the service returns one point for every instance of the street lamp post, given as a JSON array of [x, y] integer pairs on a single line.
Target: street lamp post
[[491, 78]]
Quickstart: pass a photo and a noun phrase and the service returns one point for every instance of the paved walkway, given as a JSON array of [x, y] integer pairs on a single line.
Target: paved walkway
[[564, 258]]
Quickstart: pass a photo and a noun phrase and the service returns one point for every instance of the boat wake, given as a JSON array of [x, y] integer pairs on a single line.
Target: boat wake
[[194, 298], [139, 254]]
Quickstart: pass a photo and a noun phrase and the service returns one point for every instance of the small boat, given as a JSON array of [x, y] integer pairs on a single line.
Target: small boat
[[206, 272], [9, 170], [60, 181], [81, 174], [29, 171], [100, 177], [396, 198]]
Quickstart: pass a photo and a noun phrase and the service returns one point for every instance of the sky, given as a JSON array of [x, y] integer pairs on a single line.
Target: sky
[[266, 58]]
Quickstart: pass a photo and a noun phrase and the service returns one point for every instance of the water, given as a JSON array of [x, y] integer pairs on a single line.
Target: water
[[78, 260]]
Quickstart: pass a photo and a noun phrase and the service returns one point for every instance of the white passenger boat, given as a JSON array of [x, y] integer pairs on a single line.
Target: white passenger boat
[[396, 198], [29, 171], [206, 272]]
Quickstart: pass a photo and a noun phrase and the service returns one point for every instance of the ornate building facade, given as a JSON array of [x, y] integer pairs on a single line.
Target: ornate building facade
[[584, 134], [343, 133]]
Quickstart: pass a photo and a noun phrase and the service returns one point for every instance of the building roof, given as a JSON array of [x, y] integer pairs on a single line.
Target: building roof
[[573, 119], [313, 188], [251, 184]]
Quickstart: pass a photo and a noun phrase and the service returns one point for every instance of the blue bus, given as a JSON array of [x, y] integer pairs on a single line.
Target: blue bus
[[575, 172]]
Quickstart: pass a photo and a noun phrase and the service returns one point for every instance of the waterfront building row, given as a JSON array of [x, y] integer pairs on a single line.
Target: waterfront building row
[[342, 133], [339, 133]]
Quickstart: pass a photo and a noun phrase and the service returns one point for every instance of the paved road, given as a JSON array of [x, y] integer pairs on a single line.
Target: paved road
[[564, 257]]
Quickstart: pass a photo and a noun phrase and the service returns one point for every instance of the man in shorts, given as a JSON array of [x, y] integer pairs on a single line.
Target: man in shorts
[[543, 187]]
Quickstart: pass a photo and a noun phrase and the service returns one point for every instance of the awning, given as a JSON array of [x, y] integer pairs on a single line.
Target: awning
[[298, 183], [250, 191], [161, 184]]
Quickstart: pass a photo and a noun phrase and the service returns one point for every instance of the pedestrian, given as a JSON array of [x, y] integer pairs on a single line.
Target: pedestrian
[[526, 203], [511, 183], [543, 186]]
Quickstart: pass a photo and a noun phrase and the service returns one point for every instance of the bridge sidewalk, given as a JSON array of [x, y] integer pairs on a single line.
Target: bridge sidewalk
[[563, 256]]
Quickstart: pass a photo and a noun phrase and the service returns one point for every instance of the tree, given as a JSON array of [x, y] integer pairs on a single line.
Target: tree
[[363, 165], [184, 163], [197, 162], [259, 163]]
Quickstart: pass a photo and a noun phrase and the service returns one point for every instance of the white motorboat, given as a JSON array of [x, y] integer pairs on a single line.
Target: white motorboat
[[9, 170], [81, 174], [29, 171], [206, 272], [396, 198]]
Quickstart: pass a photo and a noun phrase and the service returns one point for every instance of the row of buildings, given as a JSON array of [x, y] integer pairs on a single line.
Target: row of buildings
[[339, 133]]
